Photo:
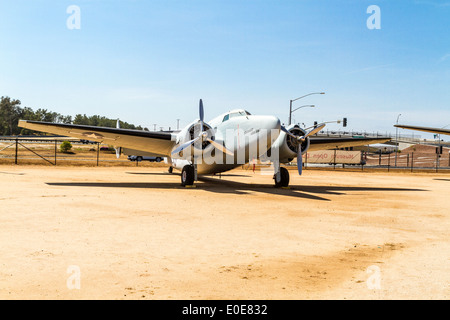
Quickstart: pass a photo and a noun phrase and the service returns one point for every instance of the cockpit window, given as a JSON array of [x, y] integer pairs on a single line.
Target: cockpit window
[[235, 114]]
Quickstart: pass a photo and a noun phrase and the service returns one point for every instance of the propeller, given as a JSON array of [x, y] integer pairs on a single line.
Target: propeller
[[220, 147], [118, 152], [303, 138], [184, 145], [201, 113], [203, 135], [118, 149], [300, 139], [299, 160]]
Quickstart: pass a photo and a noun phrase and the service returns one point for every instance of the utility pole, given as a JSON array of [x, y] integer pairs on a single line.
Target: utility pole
[[396, 141]]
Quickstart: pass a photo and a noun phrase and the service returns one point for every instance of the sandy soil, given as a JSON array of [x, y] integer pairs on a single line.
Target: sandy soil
[[135, 233]]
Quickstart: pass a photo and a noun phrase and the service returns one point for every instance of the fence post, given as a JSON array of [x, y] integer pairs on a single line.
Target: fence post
[[98, 151], [17, 146], [412, 161], [334, 159], [389, 162], [362, 160], [56, 142], [437, 162]]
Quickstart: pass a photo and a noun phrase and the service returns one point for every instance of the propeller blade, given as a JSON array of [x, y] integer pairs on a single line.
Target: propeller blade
[[220, 147], [288, 133], [313, 131], [118, 152], [201, 113], [299, 160], [184, 145]]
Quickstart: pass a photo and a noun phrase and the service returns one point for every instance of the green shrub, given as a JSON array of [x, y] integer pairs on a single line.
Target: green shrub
[[65, 147]]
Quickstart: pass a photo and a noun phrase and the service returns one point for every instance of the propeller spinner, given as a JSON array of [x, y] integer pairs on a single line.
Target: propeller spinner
[[299, 140], [202, 136]]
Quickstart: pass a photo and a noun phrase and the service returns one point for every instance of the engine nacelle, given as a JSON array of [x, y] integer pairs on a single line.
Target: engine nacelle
[[190, 132], [288, 146]]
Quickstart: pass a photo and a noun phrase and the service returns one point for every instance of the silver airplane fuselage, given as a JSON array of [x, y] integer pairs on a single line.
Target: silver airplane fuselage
[[246, 136]]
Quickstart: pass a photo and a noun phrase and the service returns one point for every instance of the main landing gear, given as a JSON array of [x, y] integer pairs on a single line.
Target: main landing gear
[[281, 178], [188, 175]]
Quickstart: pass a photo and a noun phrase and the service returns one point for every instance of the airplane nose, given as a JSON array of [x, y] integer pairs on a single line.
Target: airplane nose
[[267, 122], [273, 126], [272, 122]]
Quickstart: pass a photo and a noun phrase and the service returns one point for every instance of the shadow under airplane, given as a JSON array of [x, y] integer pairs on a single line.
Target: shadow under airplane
[[216, 185]]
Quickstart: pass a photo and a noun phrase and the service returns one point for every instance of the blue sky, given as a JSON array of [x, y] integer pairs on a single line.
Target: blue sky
[[149, 62]]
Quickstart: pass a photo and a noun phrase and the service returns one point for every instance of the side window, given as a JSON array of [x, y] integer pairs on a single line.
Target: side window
[[226, 118]]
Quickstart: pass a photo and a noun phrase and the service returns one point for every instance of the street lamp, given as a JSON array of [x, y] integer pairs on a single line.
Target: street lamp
[[396, 140], [305, 106], [290, 104]]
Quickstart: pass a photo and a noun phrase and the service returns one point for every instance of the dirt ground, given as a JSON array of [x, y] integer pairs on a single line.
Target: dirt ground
[[135, 233]]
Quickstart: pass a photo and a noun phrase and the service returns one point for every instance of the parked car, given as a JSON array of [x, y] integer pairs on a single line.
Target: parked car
[[144, 158], [87, 141]]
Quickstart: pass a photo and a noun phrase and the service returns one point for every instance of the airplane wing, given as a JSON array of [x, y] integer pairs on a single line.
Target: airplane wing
[[425, 129], [321, 143], [155, 142]]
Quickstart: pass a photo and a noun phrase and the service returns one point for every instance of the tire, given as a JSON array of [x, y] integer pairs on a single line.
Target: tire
[[170, 170], [187, 176], [139, 159], [284, 178], [158, 159]]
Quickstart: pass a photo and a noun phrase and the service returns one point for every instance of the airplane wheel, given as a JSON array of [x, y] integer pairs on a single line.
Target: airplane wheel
[[170, 170], [187, 176], [284, 178]]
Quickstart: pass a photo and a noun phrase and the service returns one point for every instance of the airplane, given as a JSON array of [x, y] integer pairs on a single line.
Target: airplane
[[425, 129], [227, 141]]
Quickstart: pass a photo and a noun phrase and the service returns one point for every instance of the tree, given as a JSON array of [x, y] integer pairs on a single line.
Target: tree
[[9, 114]]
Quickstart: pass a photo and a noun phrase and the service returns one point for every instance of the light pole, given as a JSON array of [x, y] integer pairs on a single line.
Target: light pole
[[290, 104], [396, 141], [305, 106]]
